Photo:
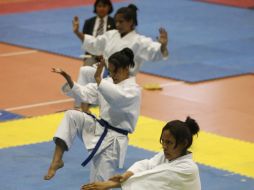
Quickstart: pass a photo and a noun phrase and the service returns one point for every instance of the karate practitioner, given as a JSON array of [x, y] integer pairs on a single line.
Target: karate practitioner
[[125, 35], [118, 98], [171, 169]]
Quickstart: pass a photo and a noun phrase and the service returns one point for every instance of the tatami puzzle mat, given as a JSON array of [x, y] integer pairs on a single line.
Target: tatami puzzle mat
[[5, 116], [201, 35], [24, 167], [221, 159]]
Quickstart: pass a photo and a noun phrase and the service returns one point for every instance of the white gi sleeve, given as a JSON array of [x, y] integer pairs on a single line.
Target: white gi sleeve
[[148, 49], [180, 174], [87, 93], [94, 45], [146, 164]]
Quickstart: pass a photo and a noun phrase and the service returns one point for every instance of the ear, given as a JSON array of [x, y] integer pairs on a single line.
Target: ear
[[185, 143]]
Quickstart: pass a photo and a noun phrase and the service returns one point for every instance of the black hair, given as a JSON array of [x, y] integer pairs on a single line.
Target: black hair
[[129, 13], [122, 59], [182, 131], [105, 2]]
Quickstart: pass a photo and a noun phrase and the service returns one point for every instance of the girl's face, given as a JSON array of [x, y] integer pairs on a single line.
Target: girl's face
[[119, 74], [122, 25], [102, 9], [168, 144]]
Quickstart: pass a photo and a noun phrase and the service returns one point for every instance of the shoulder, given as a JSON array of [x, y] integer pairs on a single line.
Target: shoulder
[[145, 41], [90, 20], [111, 19], [185, 164], [111, 33], [144, 38], [130, 85]]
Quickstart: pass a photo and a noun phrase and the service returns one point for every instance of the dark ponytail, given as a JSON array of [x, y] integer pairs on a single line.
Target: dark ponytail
[[122, 59], [129, 13], [192, 125]]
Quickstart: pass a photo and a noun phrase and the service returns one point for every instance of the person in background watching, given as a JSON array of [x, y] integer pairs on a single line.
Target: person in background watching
[[98, 25], [95, 26]]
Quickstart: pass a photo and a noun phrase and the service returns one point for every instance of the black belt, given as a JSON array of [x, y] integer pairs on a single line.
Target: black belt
[[106, 126]]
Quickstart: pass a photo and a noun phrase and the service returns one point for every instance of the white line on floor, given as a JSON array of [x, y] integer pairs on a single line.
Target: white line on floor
[[18, 53], [172, 83], [38, 105]]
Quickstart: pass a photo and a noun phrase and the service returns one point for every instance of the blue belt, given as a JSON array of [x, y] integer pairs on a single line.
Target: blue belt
[[106, 126]]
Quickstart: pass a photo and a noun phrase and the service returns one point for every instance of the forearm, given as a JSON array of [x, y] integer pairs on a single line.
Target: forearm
[[164, 50], [80, 35], [68, 79], [126, 175], [112, 184]]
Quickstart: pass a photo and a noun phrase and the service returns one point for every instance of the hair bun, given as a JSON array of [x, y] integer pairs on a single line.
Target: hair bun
[[128, 52], [133, 7], [192, 125]]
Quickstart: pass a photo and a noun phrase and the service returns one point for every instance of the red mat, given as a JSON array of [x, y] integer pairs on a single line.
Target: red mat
[[236, 3], [18, 6]]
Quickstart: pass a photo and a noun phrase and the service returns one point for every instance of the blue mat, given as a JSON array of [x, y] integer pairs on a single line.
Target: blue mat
[[203, 37], [4, 116], [24, 167]]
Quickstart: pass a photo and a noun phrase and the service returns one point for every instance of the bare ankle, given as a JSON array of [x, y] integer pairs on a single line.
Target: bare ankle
[[54, 166]]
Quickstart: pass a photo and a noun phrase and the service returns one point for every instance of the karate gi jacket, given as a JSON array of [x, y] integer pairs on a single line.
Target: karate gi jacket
[[119, 105], [159, 173], [144, 48]]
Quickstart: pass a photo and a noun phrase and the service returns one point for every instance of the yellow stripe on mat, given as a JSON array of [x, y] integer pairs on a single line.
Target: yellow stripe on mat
[[209, 149], [29, 131]]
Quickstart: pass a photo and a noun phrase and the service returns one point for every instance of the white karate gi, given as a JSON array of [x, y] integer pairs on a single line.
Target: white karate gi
[[144, 49], [159, 173], [119, 105]]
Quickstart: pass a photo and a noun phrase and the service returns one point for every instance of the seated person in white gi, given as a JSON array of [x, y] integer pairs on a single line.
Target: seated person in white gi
[[118, 98], [171, 169], [125, 35]]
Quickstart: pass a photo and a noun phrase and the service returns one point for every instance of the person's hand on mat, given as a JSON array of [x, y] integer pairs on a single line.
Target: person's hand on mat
[[163, 39], [64, 74], [97, 75]]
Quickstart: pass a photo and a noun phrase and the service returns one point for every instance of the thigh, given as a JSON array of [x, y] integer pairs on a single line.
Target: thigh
[[74, 123]]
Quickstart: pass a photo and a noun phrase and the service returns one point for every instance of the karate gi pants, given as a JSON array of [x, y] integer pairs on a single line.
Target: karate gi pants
[[76, 123]]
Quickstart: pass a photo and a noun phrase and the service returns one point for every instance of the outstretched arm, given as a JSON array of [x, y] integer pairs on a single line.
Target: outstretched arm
[[163, 39], [65, 75], [113, 182], [122, 177], [75, 27]]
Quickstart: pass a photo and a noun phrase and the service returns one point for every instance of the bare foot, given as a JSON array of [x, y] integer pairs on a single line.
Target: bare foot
[[52, 169]]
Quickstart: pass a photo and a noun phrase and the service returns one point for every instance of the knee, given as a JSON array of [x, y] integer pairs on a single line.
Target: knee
[[71, 115]]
